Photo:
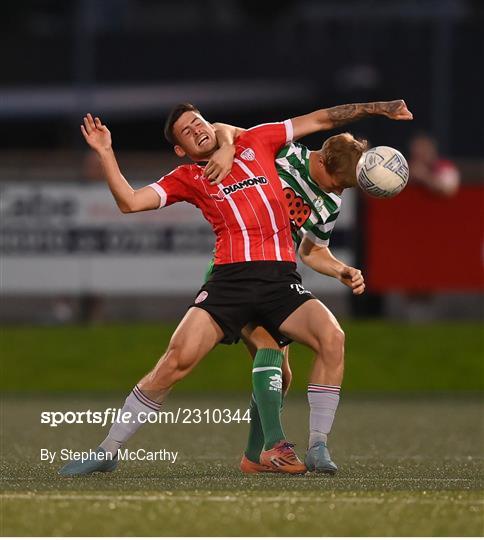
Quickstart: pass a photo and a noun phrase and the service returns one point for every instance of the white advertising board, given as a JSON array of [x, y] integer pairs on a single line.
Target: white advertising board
[[71, 238]]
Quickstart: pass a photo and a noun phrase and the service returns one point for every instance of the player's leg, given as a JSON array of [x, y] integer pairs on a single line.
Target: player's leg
[[267, 440], [255, 442], [257, 341], [268, 342], [194, 337], [266, 381], [312, 324], [286, 372], [263, 340]]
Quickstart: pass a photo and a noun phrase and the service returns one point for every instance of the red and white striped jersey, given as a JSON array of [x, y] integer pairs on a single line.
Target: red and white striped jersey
[[247, 210]]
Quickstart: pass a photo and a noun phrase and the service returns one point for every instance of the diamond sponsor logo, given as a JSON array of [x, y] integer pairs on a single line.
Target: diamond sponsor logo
[[244, 184]]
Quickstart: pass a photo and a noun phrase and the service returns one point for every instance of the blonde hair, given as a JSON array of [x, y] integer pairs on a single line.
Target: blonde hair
[[340, 154]]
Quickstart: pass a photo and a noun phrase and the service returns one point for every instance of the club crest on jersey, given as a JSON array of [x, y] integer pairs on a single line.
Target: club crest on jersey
[[319, 203], [201, 297], [248, 154]]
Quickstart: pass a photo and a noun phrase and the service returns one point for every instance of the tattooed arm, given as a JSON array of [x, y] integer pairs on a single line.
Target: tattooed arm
[[335, 117]]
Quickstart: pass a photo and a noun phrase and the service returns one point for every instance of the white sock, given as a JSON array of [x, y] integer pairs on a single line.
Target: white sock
[[323, 402], [120, 432]]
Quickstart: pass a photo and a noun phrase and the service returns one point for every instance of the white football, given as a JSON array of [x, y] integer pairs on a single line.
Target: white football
[[382, 172]]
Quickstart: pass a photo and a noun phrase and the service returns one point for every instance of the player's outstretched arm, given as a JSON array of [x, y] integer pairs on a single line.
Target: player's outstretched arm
[[321, 260], [335, 117], [98, 137]]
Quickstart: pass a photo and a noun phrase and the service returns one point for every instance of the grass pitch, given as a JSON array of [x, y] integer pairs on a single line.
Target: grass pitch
[[380, 356], [408, 467]]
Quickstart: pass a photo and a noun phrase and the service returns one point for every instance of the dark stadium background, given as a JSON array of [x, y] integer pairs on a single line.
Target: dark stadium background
[[89, 300]]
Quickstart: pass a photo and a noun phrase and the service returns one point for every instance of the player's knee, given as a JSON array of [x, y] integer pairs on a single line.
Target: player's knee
[[338, 337], [337, 340], [332, 344]]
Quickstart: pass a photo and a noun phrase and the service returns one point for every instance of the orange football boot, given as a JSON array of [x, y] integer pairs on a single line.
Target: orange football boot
[[250, 467], [282, 458]]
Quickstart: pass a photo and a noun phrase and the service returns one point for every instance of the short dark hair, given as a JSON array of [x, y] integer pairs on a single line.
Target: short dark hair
[[174, 115]]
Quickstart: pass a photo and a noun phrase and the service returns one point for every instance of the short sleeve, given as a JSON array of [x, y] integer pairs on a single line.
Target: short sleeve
[[275, 135], [320, 233], [172, 188]]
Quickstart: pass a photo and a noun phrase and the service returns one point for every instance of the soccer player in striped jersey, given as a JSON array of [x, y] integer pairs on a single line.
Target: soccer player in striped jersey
[[313, 183], [254, 276]]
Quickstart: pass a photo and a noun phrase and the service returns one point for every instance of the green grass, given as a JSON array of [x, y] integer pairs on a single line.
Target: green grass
[[381, 356], [408, 467], [234, 513]]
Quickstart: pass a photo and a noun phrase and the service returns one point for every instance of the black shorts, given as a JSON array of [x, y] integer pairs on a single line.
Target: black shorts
[[260, 292]]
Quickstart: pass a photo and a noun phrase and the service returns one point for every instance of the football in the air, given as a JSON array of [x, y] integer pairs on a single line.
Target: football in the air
[[382, 172]]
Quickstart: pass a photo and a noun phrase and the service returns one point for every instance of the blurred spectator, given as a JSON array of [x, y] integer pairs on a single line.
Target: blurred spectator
[[437, 174], [441, 177]]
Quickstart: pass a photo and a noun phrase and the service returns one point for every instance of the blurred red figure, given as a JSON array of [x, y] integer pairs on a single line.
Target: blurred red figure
[[437, 174]]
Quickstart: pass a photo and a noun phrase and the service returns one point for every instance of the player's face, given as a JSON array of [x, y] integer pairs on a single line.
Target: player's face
[[196, 137]]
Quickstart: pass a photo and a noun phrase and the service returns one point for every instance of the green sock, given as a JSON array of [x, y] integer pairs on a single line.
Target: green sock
[[267, 386], [255, 442]]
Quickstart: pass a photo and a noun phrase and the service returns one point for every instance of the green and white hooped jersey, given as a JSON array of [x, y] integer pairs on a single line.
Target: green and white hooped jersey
[[312, 211]]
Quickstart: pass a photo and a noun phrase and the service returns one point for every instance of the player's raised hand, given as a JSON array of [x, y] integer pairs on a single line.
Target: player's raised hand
[[397, 110], [220, 164], [353, 278], [97, 135]]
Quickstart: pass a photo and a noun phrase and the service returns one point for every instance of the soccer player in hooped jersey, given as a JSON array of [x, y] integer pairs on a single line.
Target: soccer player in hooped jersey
[[313, 182], [254, 277]]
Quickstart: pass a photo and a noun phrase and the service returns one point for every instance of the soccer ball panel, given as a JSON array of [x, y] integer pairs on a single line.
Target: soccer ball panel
[[382, 172]]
